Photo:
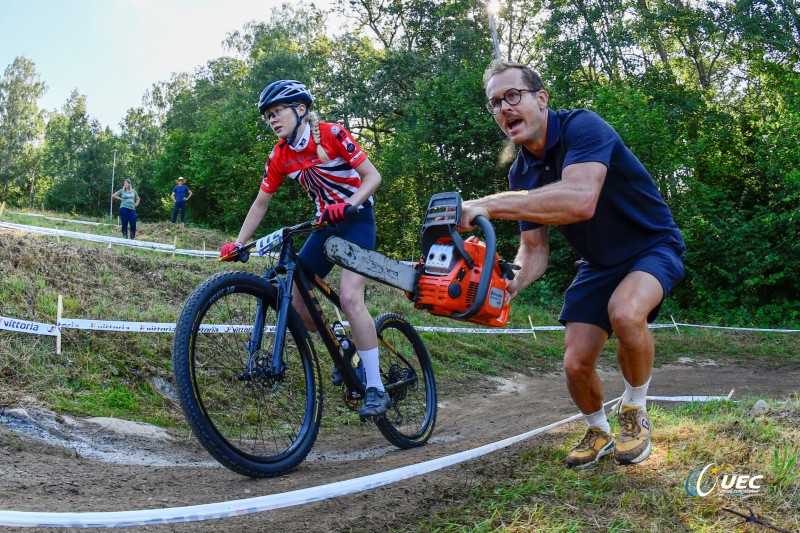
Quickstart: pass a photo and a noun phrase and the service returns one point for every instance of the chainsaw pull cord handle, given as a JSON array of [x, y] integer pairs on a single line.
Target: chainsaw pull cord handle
[[486, 272]]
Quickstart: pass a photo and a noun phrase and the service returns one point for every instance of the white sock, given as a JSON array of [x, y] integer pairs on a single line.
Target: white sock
[[635, 396], [372, 367], [598, 420]]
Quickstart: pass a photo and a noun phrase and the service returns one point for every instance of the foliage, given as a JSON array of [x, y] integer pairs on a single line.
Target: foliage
[[704, 93], [21, 123]]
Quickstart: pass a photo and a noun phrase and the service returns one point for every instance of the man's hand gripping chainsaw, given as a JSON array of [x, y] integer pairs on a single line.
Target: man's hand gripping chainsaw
[[460, 279]]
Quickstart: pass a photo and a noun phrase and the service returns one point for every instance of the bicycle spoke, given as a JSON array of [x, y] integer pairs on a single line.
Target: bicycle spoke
[[250, 419]]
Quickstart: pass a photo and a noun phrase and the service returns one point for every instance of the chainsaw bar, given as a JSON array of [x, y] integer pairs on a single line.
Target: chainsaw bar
[[371, 264]]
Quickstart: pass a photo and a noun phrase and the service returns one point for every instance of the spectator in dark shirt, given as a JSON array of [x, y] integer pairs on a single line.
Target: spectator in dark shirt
[[180, 194]]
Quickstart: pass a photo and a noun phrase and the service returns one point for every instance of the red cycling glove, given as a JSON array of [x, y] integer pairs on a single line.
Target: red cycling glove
[[334, 213], [228, 249]]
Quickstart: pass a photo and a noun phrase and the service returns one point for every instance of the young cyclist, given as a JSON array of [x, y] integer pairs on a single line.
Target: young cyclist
[[336, 173]]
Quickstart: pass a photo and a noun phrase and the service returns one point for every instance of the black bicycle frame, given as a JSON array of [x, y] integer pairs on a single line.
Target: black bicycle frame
[[289, 271]]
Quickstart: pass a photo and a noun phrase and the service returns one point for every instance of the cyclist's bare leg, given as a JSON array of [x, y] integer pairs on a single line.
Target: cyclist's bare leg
[[351, 293], [362, 327]]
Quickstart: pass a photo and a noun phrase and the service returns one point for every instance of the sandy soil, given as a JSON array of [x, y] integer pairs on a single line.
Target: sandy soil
[[106, 465]]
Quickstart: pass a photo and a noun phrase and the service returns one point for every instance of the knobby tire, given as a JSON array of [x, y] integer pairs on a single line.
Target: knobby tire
[[252, 423], [408, 377]]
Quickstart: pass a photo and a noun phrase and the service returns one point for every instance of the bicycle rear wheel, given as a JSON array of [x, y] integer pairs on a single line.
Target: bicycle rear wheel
[[408, 377], [254, 423]]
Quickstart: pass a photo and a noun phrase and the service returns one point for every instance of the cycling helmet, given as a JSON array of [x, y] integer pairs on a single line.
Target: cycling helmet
[[284, 92]]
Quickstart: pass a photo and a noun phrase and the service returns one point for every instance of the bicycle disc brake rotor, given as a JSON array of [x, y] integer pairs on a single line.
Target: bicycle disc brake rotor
[[262, 372]]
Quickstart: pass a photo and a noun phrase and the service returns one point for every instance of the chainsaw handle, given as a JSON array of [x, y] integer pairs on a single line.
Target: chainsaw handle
[[486, 271]]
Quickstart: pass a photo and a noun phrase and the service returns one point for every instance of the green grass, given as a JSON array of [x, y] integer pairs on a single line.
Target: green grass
[[530, 490], [110, 373], [132, 285]]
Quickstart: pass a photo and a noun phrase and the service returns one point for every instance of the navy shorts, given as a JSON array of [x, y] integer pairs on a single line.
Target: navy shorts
[[586, 300], [358, 229]]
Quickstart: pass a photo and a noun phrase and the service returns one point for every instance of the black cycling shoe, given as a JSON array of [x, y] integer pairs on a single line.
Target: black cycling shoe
[[376, 403]]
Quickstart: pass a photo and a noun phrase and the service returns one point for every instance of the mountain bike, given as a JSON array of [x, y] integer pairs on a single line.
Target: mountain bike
[[248, 376]]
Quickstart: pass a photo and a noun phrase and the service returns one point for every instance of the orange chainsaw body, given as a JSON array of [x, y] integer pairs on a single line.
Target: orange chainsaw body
[[448, 286]]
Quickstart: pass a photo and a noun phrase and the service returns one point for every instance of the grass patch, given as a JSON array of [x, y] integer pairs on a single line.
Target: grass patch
[[530, 490], [135, 285], [110, 374]]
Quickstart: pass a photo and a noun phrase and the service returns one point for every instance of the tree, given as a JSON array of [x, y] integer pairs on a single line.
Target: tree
[[139, 146], [77, 158], [21, 124]]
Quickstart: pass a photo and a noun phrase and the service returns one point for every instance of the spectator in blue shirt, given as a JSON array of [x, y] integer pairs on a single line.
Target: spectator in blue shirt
[[574, 172], [180, 194]]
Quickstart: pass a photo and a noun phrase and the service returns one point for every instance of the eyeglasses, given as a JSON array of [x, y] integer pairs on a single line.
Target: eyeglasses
[[512, 97], [274, 113]]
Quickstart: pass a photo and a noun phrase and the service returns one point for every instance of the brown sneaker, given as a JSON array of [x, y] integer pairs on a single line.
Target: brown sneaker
[[633, 442], [595, 444]]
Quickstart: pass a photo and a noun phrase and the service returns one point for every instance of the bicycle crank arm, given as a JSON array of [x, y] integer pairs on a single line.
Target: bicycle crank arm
[[371, 264]]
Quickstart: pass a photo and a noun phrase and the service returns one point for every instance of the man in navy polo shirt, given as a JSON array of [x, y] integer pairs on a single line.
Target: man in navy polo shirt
[[574, 172]]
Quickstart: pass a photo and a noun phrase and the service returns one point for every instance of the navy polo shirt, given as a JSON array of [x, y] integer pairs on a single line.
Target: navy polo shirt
[[181, 192], [631, 216]]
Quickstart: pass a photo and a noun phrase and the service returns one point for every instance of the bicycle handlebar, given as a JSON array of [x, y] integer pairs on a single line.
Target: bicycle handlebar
[[273, 240]]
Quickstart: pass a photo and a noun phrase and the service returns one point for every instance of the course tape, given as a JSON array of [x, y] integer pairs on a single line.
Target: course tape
[[150, 327], [74, 220], [117, 241], [259, 504], [38, 328], [26, 326]]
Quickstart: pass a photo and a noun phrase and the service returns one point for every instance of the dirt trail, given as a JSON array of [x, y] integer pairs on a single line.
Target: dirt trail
[[141, 470]]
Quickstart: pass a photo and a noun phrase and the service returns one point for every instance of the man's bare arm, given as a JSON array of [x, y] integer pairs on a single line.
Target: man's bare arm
[[532, 258], [573, 199]]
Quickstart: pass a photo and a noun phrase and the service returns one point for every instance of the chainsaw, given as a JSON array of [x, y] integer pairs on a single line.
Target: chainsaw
[[456, 278]]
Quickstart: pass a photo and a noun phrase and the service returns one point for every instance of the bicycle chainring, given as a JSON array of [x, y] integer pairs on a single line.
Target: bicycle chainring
[[352, 400]]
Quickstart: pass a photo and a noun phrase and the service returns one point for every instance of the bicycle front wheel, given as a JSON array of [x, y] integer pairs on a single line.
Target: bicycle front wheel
[[408, 378], [252, 421]]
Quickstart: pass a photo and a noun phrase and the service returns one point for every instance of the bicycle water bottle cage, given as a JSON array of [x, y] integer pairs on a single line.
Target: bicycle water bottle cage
[[441, 220]]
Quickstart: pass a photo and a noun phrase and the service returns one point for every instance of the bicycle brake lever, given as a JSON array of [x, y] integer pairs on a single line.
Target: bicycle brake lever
[[241, 255]]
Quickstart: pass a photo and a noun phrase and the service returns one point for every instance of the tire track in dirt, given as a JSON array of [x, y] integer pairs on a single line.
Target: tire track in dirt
[[36, 476]]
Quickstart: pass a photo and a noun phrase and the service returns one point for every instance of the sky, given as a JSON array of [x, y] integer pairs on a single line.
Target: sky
[[112, 51]]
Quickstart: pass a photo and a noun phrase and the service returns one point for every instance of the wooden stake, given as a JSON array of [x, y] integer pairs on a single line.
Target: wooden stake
[[59, 310], [675, 324]]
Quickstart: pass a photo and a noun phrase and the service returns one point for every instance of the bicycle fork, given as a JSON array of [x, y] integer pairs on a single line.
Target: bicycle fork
[[256, 361]]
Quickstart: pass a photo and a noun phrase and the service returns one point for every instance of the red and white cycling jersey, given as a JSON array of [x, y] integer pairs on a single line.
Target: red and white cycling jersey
[[327, 183]]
